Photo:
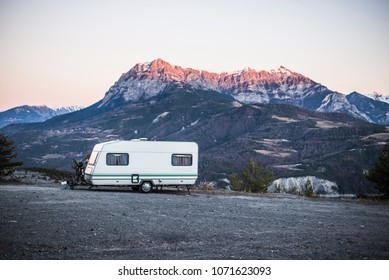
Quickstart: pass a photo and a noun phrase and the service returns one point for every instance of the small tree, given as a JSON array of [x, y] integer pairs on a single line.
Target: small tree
[[256, 178], [379, 173], [236, 183], [308, 189], [7, 154]]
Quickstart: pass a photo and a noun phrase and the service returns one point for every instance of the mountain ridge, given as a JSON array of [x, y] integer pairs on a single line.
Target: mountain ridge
[[30, 114], [281, 86]]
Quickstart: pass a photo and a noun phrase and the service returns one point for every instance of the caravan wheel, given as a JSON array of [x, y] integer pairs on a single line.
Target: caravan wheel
[[146, 187]]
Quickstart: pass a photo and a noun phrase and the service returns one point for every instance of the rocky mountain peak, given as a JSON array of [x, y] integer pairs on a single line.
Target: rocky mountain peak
[[282, 85], [238, 81], [161, 70]]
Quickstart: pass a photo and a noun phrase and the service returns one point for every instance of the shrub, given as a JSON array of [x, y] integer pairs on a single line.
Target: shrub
[[236, 183], [206, 186], [308, 189]]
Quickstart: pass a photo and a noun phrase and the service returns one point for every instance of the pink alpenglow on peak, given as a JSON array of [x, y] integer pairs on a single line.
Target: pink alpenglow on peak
[[248, 86], [146, 80], [163, 71]]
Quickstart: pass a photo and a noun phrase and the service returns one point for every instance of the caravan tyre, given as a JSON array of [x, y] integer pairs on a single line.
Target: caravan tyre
[[146, 187]]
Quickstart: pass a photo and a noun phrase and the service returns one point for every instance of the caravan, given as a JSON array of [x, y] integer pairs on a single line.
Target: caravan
[[143, 164]]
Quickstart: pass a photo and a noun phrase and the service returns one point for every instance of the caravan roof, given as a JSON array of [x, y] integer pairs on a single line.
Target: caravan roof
[[137, 145]]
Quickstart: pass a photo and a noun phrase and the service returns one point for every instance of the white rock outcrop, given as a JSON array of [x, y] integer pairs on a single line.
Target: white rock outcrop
[[295, 185]]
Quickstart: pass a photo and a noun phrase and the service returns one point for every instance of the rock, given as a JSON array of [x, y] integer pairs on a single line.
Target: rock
[[295, 185], [223, 183]]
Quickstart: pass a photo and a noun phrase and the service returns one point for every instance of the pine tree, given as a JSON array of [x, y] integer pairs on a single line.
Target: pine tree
[[308, 189], [237, 183], [379, 173], [7, 154], [256, 178]]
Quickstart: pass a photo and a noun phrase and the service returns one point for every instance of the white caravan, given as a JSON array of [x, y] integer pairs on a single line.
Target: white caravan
[[143, 164]]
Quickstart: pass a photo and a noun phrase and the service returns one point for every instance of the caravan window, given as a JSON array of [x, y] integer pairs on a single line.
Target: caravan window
[[117, 159], [181, 160]]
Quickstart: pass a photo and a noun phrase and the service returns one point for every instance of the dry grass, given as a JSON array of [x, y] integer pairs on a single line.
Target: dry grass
[[284, 119], [329, 124]]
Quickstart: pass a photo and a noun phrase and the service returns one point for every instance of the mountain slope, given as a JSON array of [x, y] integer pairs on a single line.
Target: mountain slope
[[29, 114], [375, 110], [379, 97]]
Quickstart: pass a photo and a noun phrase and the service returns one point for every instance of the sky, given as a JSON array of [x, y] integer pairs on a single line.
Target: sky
[[63, 53]]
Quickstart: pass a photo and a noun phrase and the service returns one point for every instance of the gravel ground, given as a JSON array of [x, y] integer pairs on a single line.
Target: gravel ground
[[50, 222]]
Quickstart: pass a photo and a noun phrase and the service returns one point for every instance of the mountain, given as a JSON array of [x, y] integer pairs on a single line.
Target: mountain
[[375, 110], [29, 114], [281, 86], [160, 101]]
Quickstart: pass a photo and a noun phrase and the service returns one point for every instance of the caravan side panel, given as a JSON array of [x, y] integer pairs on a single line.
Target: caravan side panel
[[131, 163]]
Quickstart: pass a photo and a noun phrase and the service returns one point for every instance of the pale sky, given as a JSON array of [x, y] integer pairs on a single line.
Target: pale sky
[[70, 52]]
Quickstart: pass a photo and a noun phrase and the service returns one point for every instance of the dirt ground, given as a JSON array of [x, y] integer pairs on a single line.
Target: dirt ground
[[50, 222]]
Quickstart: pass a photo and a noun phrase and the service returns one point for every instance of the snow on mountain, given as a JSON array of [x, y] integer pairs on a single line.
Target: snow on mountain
[[148, 79], [373, 110], [67, 109], [282, 86], [29, 114], [160, 116], [336, 102]]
